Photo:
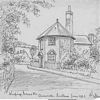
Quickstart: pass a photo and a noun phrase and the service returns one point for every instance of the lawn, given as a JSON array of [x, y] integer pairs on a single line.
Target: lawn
[[39, 81], [47, 83]]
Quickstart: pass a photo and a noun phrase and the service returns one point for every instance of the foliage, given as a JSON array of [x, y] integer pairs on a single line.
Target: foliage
[[97, 31], [22, 58], [12, 13], [94, 53], [92, 38], [79, 62], [82, 63], [33, 51], [69, 59]]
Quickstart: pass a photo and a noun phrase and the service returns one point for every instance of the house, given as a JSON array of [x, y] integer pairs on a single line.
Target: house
[[20, 46], [82, 43], [56, 42], [23, 52]]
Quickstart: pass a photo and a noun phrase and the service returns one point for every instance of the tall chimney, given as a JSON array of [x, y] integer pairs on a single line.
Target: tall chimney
[[69, 20]]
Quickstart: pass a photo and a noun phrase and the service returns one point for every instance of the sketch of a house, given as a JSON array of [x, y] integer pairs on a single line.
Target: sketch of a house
[[54, 43], [57, 41], [64, 65]]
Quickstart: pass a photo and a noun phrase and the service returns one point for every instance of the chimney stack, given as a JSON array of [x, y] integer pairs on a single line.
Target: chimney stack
[[69, 20]]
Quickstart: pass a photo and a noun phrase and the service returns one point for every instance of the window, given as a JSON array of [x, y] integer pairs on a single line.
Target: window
[[51, 41], [51, 56]]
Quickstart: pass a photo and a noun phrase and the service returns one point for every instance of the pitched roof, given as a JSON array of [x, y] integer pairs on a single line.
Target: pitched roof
[[56, 30], [82, 39], [24, 45]]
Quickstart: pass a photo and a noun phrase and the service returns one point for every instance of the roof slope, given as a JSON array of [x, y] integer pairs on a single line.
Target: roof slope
[[56, 30], [82, 39], [24, 45]]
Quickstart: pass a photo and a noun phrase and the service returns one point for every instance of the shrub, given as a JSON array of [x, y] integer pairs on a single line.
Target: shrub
[[69, 60], [82, 63], [94, 53]]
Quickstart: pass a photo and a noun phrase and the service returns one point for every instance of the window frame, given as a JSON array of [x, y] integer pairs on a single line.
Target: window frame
[[51, 41]]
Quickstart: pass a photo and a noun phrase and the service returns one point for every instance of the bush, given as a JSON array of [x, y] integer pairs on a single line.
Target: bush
[[69, 60], [94, 53], [34, 62], [82, 63]]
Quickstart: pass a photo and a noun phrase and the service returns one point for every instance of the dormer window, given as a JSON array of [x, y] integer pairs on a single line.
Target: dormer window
[[51, 41]]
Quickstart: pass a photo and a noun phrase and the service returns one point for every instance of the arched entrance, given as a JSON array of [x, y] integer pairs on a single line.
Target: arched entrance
[[51, 56]]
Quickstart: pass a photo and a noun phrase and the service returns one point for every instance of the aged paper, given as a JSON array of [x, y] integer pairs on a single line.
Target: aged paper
[[50, 49]]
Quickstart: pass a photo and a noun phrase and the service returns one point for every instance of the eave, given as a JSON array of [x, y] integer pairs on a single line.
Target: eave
[[39, 38]]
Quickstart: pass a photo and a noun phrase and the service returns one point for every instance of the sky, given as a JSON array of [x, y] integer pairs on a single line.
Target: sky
[[86, 19]]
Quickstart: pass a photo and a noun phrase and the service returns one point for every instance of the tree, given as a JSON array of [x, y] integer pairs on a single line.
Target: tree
[[98, 31], [92, 38], [33, 50], [94, 50], [11, 14], [94, 53]]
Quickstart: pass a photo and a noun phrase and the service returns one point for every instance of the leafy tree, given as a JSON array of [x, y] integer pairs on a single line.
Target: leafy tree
[[94, 50], [94, 53], [11, 14], [92, 38]]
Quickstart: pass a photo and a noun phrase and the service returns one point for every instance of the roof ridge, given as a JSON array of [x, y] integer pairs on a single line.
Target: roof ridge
[[59, 31], [46, 30], [51, 27]]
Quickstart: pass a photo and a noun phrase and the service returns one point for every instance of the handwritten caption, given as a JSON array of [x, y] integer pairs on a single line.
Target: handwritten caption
[[32, 93]]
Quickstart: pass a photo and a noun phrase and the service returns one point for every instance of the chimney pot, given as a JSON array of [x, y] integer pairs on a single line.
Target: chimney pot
[[69, 7]]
